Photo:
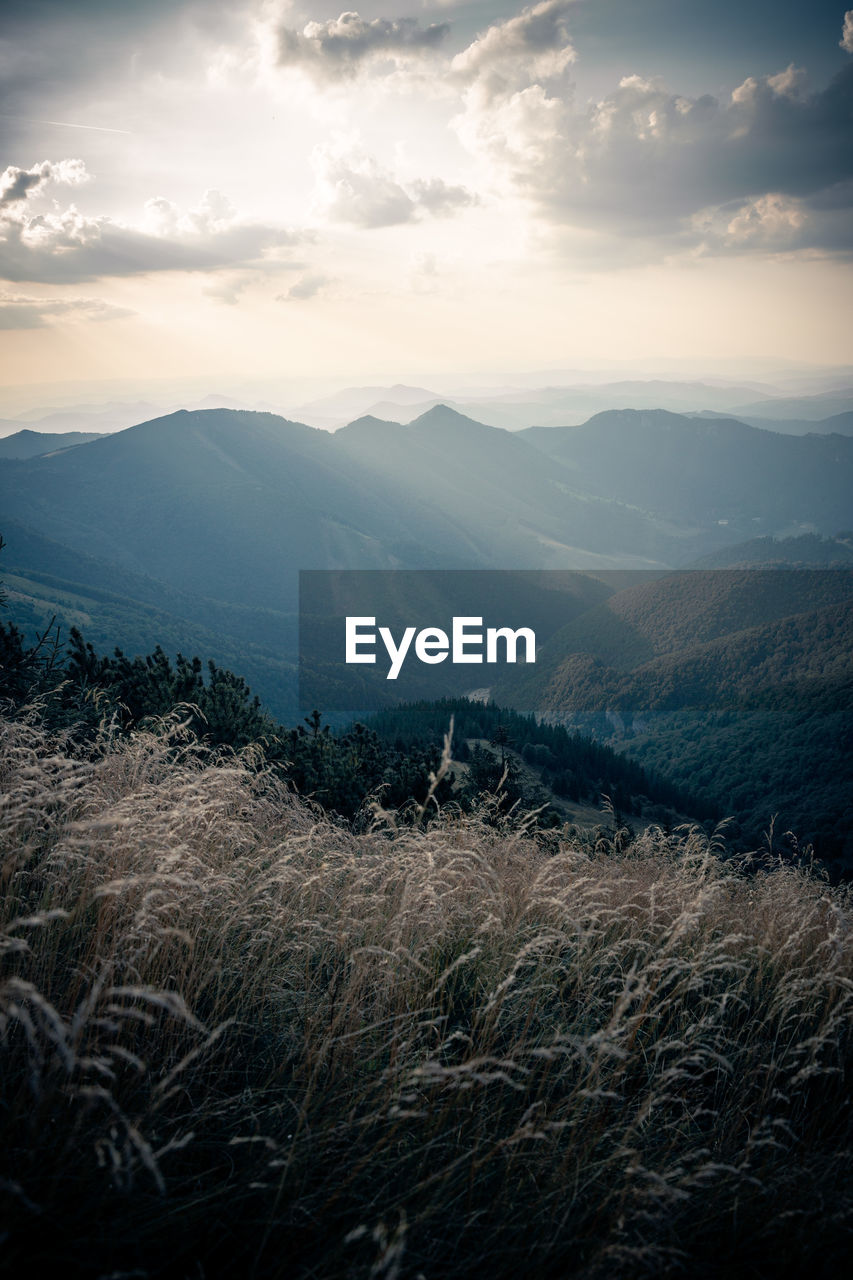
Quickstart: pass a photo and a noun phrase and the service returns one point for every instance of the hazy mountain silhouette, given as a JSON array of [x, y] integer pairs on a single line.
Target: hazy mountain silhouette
[[219, 508], [229, 504], [838, 423], [811, 408], [709, 471], [505, 501], [33, 444], [220, 503]]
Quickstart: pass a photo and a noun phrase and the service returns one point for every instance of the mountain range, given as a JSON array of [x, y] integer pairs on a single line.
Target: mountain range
[[205, 517], [189, 530], [34, 444], [569, 401]]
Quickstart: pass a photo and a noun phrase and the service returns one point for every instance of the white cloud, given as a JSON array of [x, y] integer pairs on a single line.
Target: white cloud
[[65, 245], [771, 219], [846, 40], [424, 273], [307, 286], [337, 49], [352, 186], [532, 47], [776, 223], [22, 312], [19, 185]]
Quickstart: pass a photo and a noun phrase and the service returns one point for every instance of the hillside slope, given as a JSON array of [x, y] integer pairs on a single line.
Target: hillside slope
[[736, 684], [707, 472]]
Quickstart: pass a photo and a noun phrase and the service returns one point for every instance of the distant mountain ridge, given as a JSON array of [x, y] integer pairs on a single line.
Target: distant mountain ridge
[[709, 470], [223, 507], [837, 424], [823, 405], [34, 444]]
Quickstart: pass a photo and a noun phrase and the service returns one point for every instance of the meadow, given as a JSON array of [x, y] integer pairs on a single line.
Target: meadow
[[242, 1037]]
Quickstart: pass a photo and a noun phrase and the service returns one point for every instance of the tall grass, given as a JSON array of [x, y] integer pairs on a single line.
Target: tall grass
[[241, 1039]]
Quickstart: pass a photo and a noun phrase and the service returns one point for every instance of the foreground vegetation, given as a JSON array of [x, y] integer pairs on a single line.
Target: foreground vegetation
[[242, 1037]]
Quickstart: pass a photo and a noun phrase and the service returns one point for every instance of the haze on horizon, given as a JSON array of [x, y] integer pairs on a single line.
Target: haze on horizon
[[245, 191]]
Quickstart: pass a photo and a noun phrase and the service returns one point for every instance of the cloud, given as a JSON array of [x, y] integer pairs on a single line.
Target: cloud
[[18, 185], [65, 245], [337, 49], [439, 198], [846, 41], [648, 165], [424, 273], [352, 186], [532, 47], [19, 312], [307, 286], [777, 223]]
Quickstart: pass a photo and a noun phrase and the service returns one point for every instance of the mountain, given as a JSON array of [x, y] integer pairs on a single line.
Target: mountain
[[207, 516], [219, 503], [735, 683], [518, 409], [807, 551], [336, 410], [701, 471], [567, 406], [838, 423], [505, 502], [100, 418], [33, 444], [114, 607], [656, 616], [189, 530], [811, 408]]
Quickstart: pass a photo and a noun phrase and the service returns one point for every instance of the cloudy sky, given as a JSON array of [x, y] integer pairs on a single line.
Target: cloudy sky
[[256, 188]]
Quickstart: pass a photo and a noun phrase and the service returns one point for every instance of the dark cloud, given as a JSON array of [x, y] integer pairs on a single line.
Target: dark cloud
[[644, 154], [647, 156], [18, 185], [337, 48], [643, 162]]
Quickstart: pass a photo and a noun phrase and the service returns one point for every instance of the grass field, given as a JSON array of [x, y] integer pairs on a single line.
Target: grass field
[[239, 1038]]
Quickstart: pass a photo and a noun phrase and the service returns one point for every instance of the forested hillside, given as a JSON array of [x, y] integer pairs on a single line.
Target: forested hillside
[[734, 684]]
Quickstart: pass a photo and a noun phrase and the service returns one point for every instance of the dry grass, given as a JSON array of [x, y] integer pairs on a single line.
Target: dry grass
[[240, 1039]]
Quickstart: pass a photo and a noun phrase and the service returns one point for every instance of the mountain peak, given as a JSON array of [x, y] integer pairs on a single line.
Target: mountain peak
[[368, 422], [441, 415]]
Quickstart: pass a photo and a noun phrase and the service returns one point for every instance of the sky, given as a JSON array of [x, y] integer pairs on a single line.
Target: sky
[[256, 189]]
